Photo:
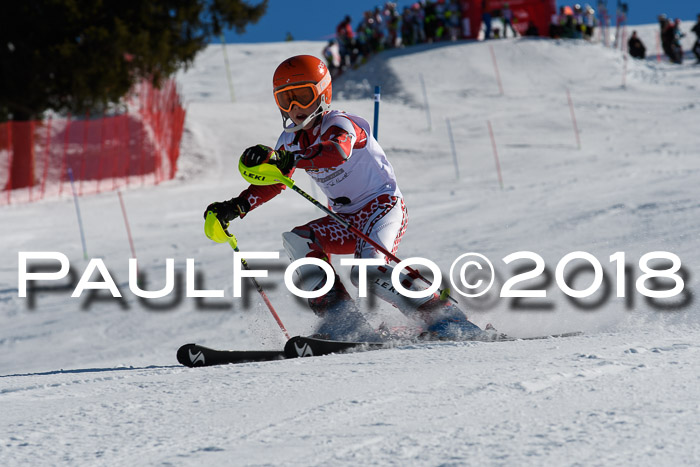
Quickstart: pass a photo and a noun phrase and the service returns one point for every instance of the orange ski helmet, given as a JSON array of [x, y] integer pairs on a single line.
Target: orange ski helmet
[[302, 80]]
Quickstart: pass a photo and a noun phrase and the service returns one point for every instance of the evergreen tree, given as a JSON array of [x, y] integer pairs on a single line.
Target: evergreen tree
[[80, 55]]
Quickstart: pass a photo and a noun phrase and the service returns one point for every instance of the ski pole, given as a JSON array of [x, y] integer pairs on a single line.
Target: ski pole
[[258, 287], [267, 174], [217, 232]]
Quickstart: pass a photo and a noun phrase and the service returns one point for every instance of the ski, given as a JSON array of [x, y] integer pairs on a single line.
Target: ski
[[194, 355], [301, 346]]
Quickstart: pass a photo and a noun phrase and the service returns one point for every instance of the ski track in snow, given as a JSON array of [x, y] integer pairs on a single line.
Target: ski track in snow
[[95, 382], [596, 399]]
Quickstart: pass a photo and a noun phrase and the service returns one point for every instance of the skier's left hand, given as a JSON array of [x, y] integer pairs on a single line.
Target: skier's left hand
[[261, 154]]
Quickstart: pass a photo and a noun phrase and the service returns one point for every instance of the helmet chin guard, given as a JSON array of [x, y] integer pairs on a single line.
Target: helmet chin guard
[[322, 107]]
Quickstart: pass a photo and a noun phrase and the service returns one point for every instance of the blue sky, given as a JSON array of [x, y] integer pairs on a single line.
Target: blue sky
[[317, 19]]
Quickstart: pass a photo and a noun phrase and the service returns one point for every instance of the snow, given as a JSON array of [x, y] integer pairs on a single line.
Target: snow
[[96, 381]]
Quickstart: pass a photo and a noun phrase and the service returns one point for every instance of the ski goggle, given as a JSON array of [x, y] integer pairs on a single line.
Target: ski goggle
[[303, 95]]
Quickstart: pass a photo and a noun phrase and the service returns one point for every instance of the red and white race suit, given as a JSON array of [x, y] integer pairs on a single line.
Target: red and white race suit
[[340, 154]]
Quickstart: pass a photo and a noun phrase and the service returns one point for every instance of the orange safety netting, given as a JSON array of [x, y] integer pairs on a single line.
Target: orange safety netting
[[139, 146]]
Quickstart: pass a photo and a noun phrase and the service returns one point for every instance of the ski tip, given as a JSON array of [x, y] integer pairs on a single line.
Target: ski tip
[[183, 355], [296, 347]]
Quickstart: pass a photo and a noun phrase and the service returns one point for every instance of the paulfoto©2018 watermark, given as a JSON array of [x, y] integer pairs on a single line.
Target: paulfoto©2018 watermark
[[657, 275]]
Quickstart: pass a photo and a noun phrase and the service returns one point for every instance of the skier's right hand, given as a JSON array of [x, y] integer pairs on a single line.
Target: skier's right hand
[[226, 211]]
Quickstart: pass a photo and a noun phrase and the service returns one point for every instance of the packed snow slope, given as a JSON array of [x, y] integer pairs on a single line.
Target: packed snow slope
[[94, 380]]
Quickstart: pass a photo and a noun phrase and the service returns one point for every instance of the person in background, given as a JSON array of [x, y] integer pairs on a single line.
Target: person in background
[[568, 25], [346, 41], [589, 23], [666, 35], [671, 39], [636, 47], [486, 19], [555, 24], [391, 22], [452, 18], [532, 30], [507, 18], [696, 46], [332, 55]]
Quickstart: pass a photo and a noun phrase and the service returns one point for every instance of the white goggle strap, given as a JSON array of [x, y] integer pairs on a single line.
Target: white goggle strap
[[322, 107]]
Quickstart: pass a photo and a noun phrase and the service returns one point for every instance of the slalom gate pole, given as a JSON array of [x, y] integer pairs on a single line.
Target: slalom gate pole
[[126, 222], [77, 210], [454, 150], [268, 174], [377, 96], [573, 117], [495, 153], [228, 68], [495, 67], [425, 99]]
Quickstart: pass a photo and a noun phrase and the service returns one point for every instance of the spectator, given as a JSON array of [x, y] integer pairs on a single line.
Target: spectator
[[568, 26], [407, 36], [696, 46], [670, 39], [365, 36], [666, 37], [452, 19], [589, 23], [532, 29], [486, 19], [636, 47], [578, 22], [556, 25], [332, 55], [391, 21], [430, 21], [662, 22], [346, 41], [507, 18]]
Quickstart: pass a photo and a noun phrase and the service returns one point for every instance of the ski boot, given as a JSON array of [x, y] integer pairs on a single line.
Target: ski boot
[[341, 318], [447, 322]]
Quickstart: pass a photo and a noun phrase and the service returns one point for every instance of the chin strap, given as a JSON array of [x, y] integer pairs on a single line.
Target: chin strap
[[322, 107]]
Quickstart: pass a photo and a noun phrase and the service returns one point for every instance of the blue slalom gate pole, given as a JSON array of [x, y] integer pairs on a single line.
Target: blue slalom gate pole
[[77, 210], [377, 92]]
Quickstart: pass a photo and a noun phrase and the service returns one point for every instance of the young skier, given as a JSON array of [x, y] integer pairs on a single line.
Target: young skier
[[338, 151]]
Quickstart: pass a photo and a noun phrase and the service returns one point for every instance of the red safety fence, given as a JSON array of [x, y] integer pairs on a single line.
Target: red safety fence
[[137, 147]]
